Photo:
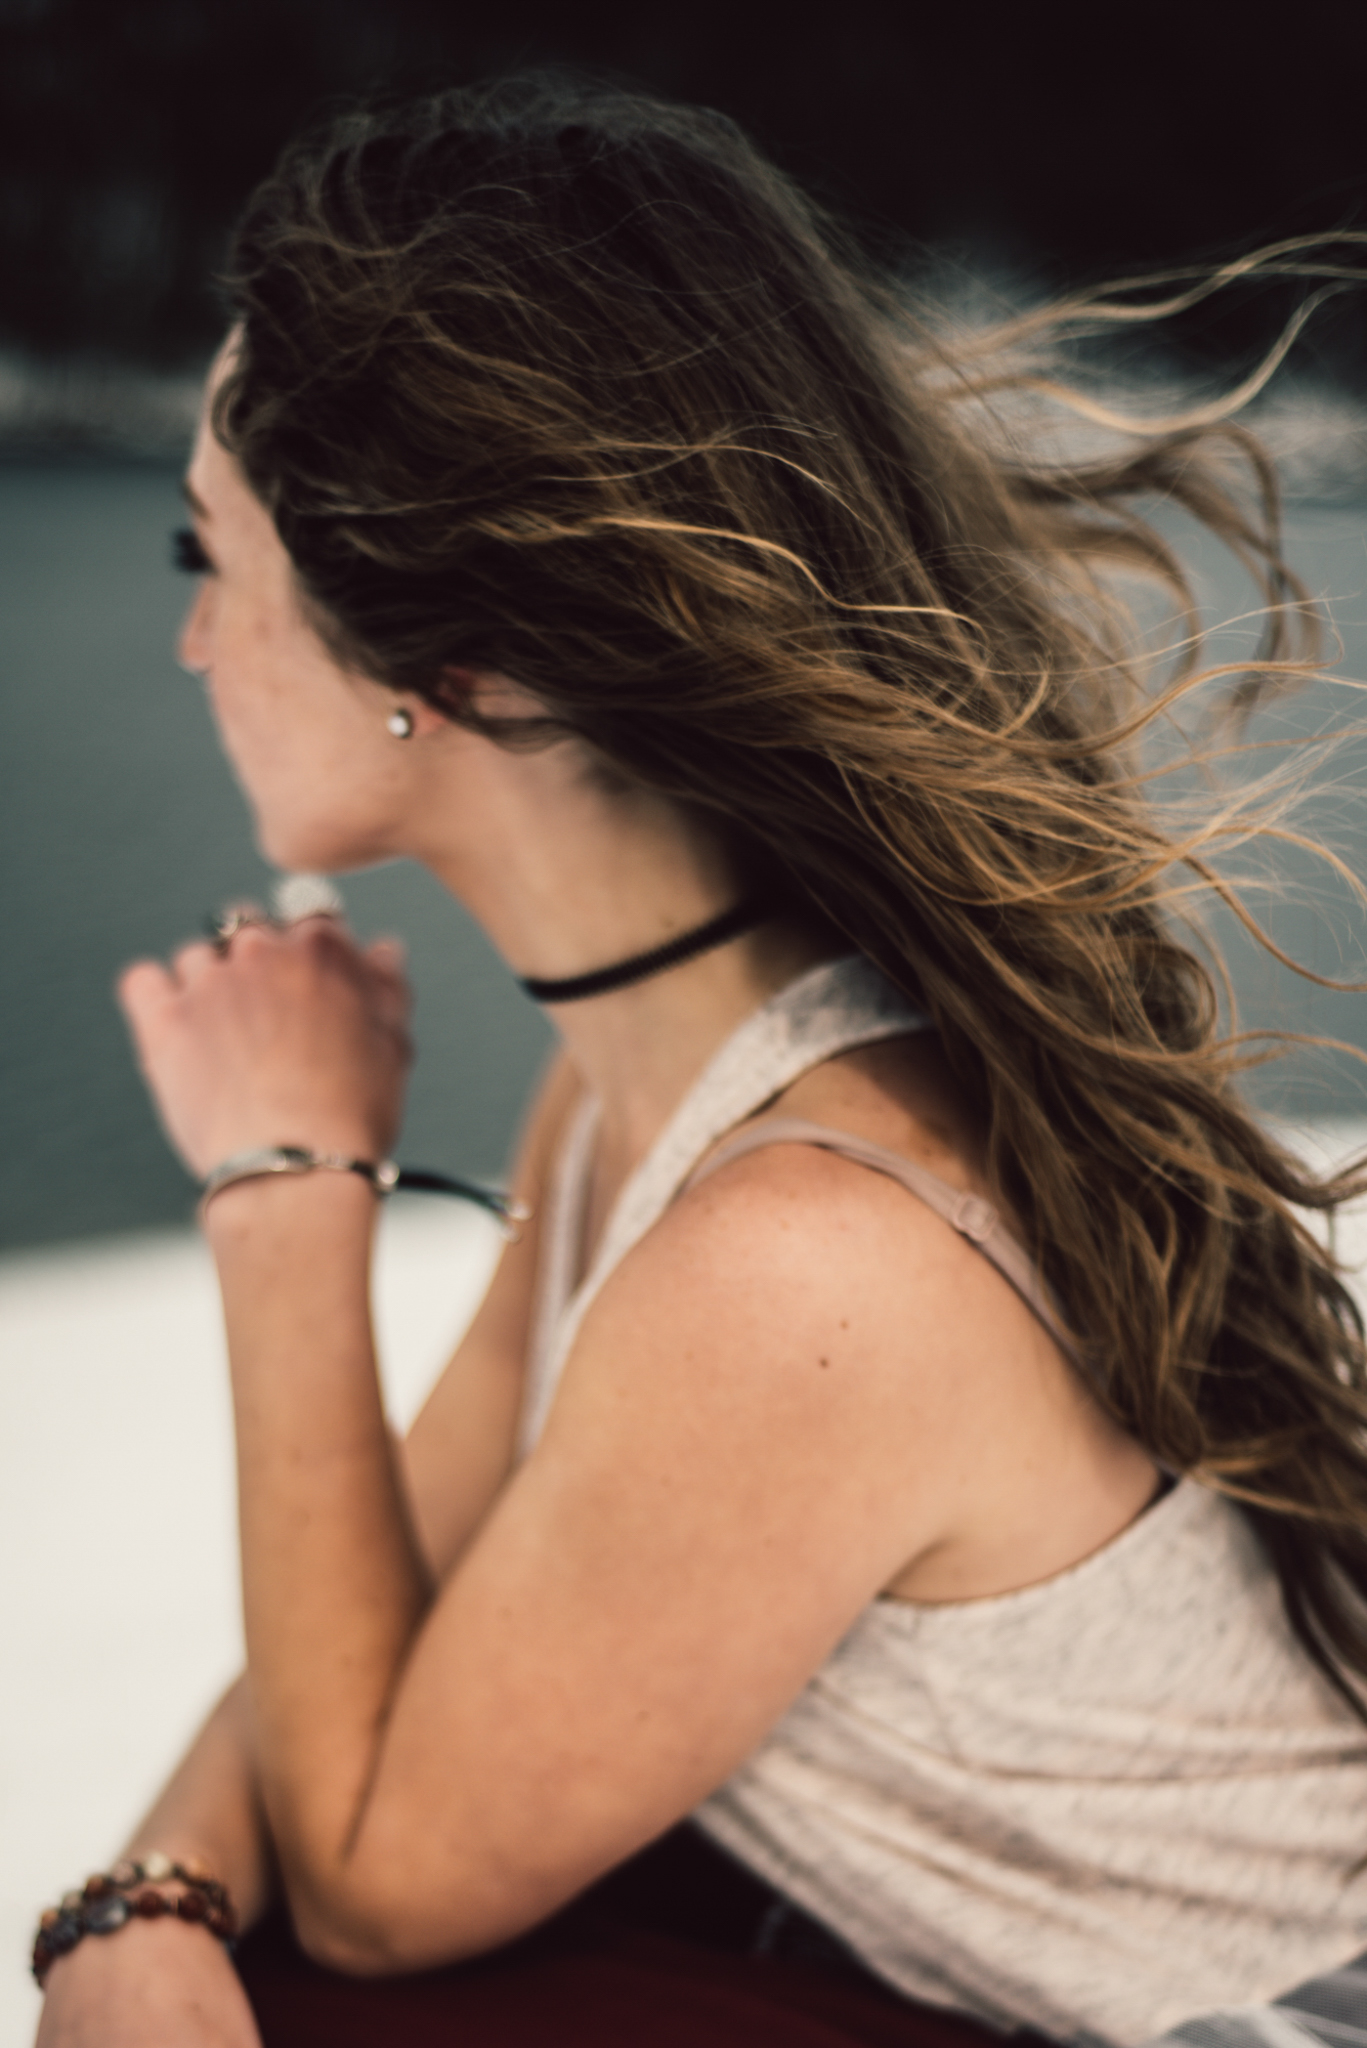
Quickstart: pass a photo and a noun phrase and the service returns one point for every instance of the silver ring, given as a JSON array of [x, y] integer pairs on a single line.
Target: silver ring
[[223, 928]]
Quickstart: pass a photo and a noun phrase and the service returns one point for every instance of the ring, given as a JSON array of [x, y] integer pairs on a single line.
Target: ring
[[223, 927]]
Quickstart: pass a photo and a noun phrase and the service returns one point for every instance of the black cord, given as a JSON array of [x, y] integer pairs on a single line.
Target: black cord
[[421, 1180], [743, 917]]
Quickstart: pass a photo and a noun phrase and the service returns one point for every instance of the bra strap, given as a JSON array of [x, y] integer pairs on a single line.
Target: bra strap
[[969, 1214]]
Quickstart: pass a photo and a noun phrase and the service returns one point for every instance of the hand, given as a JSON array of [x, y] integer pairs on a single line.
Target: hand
[[154, 1984], [294, 1036]]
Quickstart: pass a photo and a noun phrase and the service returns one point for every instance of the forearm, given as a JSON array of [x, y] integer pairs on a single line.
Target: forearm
[[210, 1809], [161, 1983], [334, 1588]]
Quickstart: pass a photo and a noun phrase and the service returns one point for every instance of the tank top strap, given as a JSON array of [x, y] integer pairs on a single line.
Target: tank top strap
[[969, 1214], [830, 1009]]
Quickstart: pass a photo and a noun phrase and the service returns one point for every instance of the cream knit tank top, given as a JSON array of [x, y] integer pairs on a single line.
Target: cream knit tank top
[[1099, 1806]]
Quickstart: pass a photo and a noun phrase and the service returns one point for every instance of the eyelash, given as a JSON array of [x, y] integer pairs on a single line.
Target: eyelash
[[187, 552]]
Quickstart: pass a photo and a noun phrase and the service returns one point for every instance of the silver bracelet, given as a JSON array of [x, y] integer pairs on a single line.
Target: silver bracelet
[[384, 1177], [265, 1159]]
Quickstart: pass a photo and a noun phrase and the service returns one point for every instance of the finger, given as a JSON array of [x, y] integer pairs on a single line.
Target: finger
[[324, 932], [223, 926], [388, 963], [144, 982], [144, 992], [392, 1003], [190, 962], [260, 936]]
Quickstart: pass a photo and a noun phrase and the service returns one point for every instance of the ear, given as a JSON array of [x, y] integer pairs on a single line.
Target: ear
[[428, 721], [455, 689], [492, 694]]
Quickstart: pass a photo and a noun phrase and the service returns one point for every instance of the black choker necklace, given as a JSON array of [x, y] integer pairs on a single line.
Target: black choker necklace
[[743, 918]]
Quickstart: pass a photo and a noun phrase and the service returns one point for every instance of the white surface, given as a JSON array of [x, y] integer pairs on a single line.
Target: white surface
[[117, 1549], [118, 1566]]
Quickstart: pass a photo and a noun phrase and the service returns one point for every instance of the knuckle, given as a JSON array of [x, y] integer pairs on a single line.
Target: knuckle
[[327, 942]]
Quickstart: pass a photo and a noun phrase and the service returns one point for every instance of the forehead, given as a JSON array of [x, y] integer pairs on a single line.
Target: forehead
[[192, 497], [210, 463], [219, 495]]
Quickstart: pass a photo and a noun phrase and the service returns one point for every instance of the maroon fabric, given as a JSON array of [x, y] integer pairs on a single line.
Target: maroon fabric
[[660, 1955], [628, 1989]]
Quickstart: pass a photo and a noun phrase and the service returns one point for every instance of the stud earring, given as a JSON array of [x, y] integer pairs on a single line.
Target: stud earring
[[400, 723]]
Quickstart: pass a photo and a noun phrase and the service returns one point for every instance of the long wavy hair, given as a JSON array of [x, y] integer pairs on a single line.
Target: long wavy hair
[[571, 383]]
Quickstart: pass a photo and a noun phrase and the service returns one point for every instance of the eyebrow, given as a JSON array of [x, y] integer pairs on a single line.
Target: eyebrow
[[193, 499]]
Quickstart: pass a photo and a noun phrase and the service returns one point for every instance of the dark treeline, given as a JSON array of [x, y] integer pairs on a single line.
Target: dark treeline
[[1054, 144]]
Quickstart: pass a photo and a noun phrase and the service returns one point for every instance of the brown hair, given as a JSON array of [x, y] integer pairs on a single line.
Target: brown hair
[[554, 379]]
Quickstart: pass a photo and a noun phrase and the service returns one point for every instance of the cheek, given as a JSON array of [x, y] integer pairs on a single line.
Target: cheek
[[248, 673], [249, 729]]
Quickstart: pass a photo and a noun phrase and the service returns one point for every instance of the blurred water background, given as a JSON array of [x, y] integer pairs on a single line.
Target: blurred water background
[[121, 827]]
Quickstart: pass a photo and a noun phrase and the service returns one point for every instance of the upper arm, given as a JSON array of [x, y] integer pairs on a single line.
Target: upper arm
[[748, 1440], [461, 1447]]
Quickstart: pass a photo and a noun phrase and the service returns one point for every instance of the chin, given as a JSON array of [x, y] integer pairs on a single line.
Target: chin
[[312, 848]]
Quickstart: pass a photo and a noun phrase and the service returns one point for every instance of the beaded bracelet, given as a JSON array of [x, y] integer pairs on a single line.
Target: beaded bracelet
[[110, 1899]]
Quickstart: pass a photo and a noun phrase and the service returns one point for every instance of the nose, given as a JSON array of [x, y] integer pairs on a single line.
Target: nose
[[192, 643]]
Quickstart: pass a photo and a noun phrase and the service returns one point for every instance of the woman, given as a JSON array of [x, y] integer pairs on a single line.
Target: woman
[[890, 1545]]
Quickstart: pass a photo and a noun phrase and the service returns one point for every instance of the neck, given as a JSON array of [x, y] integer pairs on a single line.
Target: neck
[[639, 1049], [566, 880]]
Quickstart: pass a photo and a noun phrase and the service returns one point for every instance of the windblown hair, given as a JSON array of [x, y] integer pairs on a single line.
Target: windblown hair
[[552, 379]]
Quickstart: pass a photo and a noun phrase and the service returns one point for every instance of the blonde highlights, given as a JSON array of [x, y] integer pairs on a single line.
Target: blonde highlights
[[549, 378]]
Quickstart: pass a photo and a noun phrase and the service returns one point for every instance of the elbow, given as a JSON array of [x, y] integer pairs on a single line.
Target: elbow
[[361, 1922], [349, 1936], [350, 1951], [359, 1940]]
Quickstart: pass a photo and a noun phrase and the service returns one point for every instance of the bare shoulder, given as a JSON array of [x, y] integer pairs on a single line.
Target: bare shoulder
[[804, 1315], [798, 1253], [900, 1093], [806, 1325], [792, 1239], [797, 1199]]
